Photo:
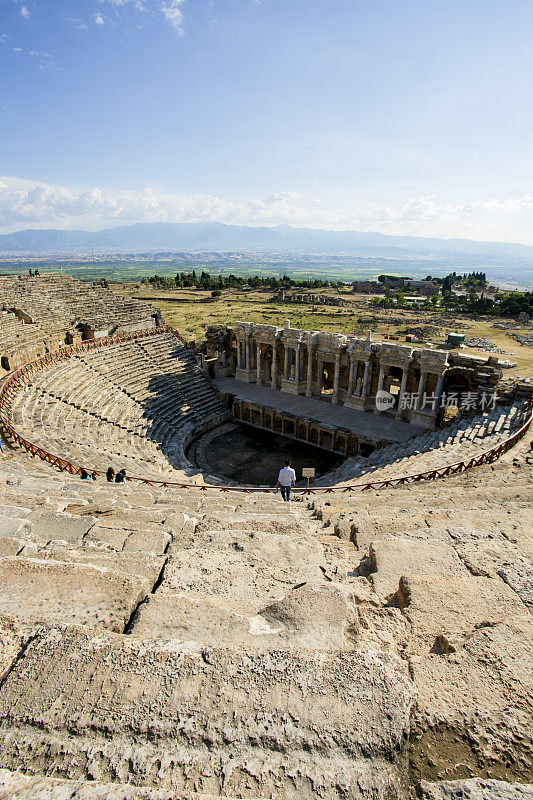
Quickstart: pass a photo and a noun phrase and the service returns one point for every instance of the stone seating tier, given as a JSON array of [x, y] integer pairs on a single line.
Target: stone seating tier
[[170, 642], [118, 405], [61, 307], [461, 441]]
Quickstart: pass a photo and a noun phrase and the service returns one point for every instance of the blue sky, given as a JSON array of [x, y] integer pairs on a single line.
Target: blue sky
[[394, 115]]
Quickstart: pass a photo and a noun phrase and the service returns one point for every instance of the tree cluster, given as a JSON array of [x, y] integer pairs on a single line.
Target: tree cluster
[[203, 280]]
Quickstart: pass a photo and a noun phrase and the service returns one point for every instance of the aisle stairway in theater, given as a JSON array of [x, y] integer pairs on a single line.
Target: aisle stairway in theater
[[283, 644]]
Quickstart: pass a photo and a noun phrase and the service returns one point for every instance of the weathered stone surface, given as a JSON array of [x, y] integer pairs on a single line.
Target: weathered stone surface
[[10, 642], [450, 604], [51, 526], [474, 789], [146, 565], [146, 540], [29, 787], [187, 718], [474, 705], [314, 616], [492, 554], [393, 557], [10, 546], [246, 566], [35, 590]]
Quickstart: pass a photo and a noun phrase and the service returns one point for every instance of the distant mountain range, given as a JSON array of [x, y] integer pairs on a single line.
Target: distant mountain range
[[214, 236]]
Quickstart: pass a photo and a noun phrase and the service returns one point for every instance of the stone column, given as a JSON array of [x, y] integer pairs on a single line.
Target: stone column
[[247, 354], [350, 378], [298, 359], [274, 366], [402, 392], [286, 363], [335, 397], [438, 393], [238, 353], [258, 355], [381, 378], [421, 389], [309, 388], [366, 378]]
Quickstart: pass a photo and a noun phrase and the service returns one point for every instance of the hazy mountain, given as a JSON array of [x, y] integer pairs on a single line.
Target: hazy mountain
[[213, 236]]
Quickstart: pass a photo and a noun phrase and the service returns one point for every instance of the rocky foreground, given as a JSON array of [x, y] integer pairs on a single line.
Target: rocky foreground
[[157, 644]]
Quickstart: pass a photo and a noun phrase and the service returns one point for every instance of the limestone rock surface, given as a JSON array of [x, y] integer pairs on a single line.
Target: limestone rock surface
[[38, 590], [189, 718], [474, 705], [474, 789]]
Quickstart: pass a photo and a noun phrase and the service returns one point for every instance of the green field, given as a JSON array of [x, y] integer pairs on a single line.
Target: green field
[[191, 311]]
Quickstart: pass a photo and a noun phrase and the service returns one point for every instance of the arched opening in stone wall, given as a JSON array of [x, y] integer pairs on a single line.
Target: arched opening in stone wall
[[457, 381], [327, 378], [266, 363], [393, 383]]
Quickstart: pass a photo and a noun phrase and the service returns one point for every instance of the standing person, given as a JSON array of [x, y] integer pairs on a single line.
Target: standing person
[[286, 480], [110, 475]]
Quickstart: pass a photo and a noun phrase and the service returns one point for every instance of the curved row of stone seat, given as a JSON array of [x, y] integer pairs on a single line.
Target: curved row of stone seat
[[59, 302], [458, 442], [119, 404], [55, 310], [19, 342]]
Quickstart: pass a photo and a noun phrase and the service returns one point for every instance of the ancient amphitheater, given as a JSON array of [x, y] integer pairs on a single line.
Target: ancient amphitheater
[[184, 634]]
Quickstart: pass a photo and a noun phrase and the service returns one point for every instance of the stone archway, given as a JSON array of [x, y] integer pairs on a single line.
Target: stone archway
[[458, 381]]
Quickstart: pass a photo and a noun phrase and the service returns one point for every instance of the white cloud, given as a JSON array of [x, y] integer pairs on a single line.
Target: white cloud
[[28, 203], [172, 13], [99, 20], [25, 11], [76, 23], [169, 10]]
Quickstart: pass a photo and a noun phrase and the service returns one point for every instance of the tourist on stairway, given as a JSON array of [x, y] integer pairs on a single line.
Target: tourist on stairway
[[286, 480]]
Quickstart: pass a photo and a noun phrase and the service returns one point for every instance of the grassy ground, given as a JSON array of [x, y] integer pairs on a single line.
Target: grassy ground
[[191, 311]]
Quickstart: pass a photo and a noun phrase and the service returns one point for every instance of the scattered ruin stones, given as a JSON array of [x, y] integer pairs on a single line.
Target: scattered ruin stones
[[479, 343]]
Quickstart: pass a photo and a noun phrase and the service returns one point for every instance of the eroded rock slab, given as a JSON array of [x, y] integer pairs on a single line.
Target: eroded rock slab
[[38, 590], [393, 557], [95, 705], [246, 566], [474, 705], [474, 789], [320, 616], [11, 639], [450, 604]]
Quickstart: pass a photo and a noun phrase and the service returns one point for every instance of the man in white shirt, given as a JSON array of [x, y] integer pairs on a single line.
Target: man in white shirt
[[286, 479]]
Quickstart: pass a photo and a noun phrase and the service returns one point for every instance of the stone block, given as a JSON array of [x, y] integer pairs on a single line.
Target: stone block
[[314, 616], [11, 640], [146, 540], [285, 724], [474, 705], [393, 557], [52, 526], [147, 565], [35, 590], [244, 566], [474, 789], [438, 605]]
